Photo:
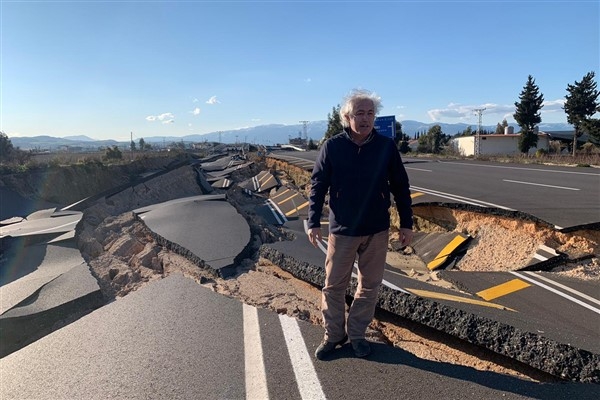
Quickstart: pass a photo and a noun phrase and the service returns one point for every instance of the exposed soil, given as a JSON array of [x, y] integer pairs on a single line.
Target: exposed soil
[[123, 256]]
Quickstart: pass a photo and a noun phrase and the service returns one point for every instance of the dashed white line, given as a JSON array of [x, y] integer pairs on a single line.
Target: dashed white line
[[527, 169], [418, 169], [304, 370], [540, 184], [256, 378]]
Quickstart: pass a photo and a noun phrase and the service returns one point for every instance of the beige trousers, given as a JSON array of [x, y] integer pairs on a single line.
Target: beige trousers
[[342, 251]]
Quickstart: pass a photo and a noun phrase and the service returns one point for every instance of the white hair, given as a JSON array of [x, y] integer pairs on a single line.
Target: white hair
[[354, 97]]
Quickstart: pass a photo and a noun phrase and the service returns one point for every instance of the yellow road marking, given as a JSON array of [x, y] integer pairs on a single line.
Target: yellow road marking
[[442, 296], [446, 251], [280, 194], [503, 289], [289, 198], [300, 207], [265, 175], [267, 181], [416, 194]]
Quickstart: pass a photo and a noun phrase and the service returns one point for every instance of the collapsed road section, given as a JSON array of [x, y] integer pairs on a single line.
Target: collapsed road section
[[527, 319], [273, 203]]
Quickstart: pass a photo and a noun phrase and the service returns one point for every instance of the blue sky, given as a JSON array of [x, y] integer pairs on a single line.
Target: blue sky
[[174, 68]]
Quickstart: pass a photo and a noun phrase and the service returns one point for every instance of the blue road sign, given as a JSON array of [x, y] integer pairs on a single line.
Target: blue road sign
[[386, 126]]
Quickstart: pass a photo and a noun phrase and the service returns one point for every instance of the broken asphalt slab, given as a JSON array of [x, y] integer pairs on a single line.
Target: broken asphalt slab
[[204, 229], [58, 285], [461, 320], [151, 343]]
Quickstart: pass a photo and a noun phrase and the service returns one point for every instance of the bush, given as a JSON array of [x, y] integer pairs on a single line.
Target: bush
[[541, 153]]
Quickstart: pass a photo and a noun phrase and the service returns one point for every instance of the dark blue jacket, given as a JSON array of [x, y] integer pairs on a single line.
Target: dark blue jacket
[[360, 180]]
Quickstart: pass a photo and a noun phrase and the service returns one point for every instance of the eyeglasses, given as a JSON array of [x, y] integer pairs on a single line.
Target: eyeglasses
[[362, 114]]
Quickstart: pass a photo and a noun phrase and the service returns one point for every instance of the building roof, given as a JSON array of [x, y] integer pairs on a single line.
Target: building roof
[[566, 136]]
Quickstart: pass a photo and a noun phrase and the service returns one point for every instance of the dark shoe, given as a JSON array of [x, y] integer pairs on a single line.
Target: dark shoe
[[327, 347], [361, 347]]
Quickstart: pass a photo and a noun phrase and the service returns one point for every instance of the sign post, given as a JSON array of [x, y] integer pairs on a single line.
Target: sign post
[[386, 126]]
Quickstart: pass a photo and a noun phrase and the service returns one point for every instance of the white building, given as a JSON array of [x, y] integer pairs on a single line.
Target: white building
[[506, 144]]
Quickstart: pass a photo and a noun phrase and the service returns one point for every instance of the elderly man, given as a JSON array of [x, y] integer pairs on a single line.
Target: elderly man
[[360, 169]]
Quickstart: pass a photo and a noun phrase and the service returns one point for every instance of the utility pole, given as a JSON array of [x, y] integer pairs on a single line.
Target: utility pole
[[304, 123], [131, 145], [479, 112]]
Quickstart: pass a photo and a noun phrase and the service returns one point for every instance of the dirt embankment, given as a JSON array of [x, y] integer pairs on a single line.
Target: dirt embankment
[[68, 184]]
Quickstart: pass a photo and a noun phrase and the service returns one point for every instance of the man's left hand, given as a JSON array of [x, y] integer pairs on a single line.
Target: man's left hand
[[406, 236]]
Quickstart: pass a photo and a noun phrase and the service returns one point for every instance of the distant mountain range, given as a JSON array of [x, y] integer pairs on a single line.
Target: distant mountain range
[[263, 134]]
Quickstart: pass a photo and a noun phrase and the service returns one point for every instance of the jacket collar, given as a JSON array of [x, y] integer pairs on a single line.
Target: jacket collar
[[367, 140]]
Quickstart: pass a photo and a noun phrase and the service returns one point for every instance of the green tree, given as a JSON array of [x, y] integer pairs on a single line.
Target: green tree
[[10, 154], [334, 123], [6, 148], [527, 114], [580, 104], [399, 134], [499, 129], [403, 146], [311, 145], [132, 145], [113, 153], [592, 127], [142, 144], [432, 141]]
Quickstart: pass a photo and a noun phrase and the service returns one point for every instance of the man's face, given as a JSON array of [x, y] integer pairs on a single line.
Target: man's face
[[362, 118]]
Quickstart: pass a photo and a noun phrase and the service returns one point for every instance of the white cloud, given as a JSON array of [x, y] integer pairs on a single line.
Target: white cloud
[[195, 100], [212, 100], [255, 119], [196, 111], [553, 106], [466, 112], [166, 118], [308, 80]]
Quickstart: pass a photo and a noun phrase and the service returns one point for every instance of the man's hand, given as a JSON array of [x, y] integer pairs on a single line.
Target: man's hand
[[406, 236], [314, 236]]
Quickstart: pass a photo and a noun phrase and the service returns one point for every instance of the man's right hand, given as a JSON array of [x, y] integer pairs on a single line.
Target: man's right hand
[[314, 235]]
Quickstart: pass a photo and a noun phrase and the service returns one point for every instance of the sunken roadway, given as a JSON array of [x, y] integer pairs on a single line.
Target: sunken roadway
[[555, 331], [529, 315]]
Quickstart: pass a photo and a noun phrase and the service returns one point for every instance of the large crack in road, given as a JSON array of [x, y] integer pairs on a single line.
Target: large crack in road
[[109, 234]]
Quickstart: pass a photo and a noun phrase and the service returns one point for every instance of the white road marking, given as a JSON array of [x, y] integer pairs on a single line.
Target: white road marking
[[418, 169], [564, 287], [540, 184], [276, 211], [527, 169], [256, 378], [304, 370], [558, 292], [460, 199]]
